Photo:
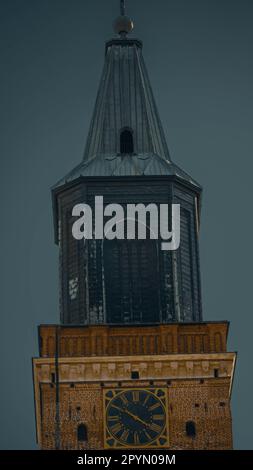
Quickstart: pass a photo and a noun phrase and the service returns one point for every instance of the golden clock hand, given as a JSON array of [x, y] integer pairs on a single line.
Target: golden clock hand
[[137, 418], [130, 414]]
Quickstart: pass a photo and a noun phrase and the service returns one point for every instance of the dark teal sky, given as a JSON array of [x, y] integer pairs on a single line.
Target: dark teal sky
[[200, 62]]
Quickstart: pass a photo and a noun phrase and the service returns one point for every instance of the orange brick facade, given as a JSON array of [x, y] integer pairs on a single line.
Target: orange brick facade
[[190, 362], [163, 339]]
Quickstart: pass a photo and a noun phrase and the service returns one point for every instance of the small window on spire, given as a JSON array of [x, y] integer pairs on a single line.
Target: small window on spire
[[126, 141]]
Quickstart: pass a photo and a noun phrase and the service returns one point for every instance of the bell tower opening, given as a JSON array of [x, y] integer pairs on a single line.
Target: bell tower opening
[[131, 281], [126, 141]]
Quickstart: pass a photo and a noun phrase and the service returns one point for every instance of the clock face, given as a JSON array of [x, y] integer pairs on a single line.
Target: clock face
[[135, 418]]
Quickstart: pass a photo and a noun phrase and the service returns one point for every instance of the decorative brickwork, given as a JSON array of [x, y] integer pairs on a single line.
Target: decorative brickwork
[[207, 405], [163, 339], [198, 387]]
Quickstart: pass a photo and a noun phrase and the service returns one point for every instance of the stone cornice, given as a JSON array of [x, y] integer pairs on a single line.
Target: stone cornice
[[175, 366]]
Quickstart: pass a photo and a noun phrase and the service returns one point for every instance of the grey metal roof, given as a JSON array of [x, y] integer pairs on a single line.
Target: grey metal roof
[[125, 99], [126, 165]]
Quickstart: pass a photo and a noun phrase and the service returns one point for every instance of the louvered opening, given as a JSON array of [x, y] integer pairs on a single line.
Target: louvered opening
[[131, 281]]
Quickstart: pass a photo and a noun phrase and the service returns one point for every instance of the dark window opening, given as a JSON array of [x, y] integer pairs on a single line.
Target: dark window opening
[[151, 382], [216, 373], [72, 385], [190, 429], [53, 377], [201, 381], [131, 281], [206, 407], [126, 142], [135, 375], [222, 403], [196, 405], [82, 434]]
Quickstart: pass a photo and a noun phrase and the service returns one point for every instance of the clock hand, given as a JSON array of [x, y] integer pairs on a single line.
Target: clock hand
[[136, 417], [131, 414], [117, 407]]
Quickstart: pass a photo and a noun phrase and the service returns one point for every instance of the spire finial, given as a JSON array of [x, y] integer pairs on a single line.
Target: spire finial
[[123, 24], [122, 7]]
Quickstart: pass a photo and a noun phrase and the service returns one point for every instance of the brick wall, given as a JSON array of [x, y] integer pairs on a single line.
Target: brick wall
[[206, 404]]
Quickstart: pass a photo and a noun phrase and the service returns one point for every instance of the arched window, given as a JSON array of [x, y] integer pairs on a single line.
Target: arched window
[[190, 429], [82, 434], [126, 141]]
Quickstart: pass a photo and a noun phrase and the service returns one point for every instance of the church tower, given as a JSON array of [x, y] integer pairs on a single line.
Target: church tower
[[132, 364]]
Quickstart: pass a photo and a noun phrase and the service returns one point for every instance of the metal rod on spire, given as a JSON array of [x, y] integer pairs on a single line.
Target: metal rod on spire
[[122, 7]]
